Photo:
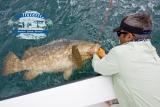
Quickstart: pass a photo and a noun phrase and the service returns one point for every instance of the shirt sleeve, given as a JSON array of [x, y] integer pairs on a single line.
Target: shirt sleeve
[[108, 65]]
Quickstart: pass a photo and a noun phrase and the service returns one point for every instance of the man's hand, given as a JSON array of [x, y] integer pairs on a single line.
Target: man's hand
[[101, 53], [109, 103]]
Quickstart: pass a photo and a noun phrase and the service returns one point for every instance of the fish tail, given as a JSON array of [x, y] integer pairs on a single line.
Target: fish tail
[[12, 64]]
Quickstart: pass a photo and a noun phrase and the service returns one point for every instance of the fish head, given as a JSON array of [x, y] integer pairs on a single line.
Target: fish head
[[85, 48]]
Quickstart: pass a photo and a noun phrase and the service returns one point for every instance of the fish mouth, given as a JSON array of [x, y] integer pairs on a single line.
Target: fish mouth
[[86, 57], [93, 50], [96, 47]]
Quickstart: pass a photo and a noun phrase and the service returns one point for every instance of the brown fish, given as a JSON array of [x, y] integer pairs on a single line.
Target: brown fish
[[57, 56]]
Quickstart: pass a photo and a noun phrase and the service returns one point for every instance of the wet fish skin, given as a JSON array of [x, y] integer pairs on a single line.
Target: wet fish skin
[[56, 56]]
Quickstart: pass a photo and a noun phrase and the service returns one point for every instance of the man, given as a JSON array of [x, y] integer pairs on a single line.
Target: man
[[134, 65]]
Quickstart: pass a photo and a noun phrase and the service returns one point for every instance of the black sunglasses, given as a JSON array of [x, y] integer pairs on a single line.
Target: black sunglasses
[[119, 33]]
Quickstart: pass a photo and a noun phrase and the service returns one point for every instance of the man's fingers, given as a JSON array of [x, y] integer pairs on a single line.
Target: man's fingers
[[101, 52]]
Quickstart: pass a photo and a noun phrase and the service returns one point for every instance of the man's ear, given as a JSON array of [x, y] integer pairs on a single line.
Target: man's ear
[[130, 36]]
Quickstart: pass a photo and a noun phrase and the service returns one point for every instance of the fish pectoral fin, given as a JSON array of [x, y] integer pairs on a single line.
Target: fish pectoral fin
[[76, 57], [67, 74], [31, 75]]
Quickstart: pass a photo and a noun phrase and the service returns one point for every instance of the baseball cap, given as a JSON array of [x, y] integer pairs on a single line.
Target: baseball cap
[[138, 27]]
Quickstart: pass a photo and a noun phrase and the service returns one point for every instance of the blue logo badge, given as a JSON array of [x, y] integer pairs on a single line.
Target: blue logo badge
[[30, 25]]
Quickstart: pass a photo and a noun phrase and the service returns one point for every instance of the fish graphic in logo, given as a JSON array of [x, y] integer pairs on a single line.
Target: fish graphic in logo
[[31, 25]]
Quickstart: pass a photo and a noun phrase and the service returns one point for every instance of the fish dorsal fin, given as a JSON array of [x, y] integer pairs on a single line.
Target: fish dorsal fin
[[55, 42], [76, 57]]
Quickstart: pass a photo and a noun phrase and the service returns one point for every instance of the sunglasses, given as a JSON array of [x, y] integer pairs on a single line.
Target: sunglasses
[[119, 33]]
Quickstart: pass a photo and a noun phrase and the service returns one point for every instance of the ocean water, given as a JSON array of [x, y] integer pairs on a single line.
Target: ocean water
[[90, 20]]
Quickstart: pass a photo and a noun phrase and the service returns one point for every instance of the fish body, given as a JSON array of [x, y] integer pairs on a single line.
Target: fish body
[[57, 56]]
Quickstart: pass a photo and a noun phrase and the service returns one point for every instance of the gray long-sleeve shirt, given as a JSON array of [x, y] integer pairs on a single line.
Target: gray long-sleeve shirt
[[135, 68]]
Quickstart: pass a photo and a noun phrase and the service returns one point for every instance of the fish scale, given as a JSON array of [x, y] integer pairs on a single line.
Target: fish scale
[[57, 56]]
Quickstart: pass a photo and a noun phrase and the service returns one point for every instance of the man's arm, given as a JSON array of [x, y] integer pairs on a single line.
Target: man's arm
[[108, 65]]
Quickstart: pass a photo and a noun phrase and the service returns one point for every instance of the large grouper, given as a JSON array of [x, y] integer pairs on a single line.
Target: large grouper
[[56, 56]]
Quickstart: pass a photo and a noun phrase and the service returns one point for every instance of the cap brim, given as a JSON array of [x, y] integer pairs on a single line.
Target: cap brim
[[117, 29]]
